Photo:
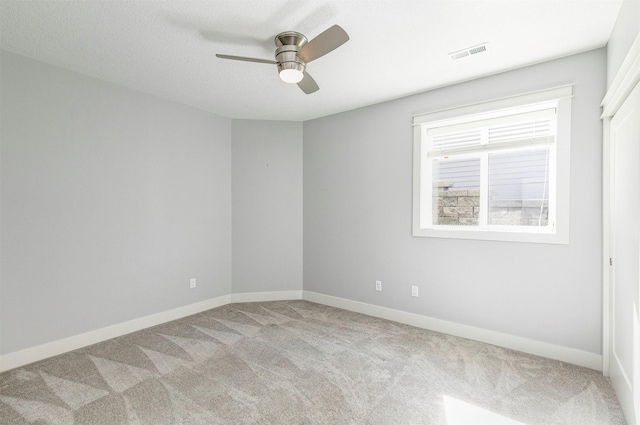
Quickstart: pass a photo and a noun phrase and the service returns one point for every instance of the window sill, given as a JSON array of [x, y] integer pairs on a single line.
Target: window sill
[[494, 235]]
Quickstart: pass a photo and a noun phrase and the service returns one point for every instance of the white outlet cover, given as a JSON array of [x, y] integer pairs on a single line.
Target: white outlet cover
[[192, 282], [378, 285], [414, 291]]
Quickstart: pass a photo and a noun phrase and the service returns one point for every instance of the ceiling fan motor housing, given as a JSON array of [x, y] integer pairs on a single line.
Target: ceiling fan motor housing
[[288, 43]]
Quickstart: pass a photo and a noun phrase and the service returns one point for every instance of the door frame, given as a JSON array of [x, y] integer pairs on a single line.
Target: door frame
[[625, 81], [627, 78]]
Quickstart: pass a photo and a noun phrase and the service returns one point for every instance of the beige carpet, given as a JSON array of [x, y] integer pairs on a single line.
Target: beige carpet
[[295, 362]]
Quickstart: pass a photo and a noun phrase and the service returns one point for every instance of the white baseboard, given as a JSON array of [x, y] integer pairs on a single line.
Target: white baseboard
[[538, 348], [41, 352], [252, 297]]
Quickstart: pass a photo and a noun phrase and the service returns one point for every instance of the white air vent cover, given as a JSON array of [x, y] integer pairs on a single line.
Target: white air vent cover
[[473, 50]]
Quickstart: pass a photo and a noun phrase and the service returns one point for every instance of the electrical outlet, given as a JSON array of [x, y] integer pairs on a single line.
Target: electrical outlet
[[378, 285], [192, 282], [414, 291]]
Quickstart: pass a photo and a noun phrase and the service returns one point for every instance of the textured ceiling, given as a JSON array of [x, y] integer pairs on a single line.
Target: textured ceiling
[[397, 47]]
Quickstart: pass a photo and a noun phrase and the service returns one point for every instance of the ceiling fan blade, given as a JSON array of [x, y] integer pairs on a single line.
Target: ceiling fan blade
[[242, 58], [324, 43], [308, 84]]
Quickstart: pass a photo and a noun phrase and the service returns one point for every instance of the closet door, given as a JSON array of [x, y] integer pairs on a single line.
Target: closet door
[[624, 355]]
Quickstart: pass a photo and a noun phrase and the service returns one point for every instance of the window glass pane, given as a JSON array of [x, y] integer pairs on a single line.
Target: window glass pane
[[456, 190], [519, 187]]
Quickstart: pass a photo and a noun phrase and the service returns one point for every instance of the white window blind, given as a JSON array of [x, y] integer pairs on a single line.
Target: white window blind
[[529, 128]]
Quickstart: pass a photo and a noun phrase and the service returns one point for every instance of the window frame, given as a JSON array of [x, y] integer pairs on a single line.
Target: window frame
[[559, 196]]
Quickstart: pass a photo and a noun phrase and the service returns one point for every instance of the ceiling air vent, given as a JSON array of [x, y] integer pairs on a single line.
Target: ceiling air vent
[[473, 50]]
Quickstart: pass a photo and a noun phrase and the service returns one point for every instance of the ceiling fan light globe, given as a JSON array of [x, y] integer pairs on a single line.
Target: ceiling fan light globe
[[292, 76]]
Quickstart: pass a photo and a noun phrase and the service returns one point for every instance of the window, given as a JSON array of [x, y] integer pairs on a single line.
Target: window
[[497, 170]]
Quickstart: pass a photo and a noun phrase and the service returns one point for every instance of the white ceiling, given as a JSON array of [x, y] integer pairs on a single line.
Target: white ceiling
[[397, 47]]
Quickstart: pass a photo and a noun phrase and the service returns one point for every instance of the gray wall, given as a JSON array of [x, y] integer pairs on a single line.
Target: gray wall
[[267, 206], [111, 200], [622, 37], [357, 218]]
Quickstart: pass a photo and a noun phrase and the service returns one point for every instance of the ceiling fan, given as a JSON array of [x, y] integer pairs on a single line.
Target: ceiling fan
[[294, 51]]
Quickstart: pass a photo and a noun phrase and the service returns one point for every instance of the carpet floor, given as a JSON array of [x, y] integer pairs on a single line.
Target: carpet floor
[[296, 362]]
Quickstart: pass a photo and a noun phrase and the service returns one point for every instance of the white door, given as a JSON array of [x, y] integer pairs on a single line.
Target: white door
[[624, 355]]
